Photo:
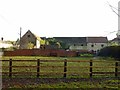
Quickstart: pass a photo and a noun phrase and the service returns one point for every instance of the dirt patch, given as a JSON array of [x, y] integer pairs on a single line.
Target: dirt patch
[[23, 82]]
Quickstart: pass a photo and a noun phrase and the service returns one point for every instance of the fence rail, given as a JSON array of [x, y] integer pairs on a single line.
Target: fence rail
[[65, 66]]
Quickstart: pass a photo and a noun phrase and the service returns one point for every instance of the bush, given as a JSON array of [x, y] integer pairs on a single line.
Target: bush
[[111, 51]]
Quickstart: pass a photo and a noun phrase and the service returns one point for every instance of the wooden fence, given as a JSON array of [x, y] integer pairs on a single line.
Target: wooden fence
[[38, 67]]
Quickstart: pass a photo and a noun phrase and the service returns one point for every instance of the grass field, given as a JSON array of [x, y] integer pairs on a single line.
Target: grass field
[[74, 69], [98, 81]]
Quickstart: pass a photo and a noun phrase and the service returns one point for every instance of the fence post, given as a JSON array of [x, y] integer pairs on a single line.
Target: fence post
[[38, 67], [10, 68], [65, 68], [91, 64], [116, 69]]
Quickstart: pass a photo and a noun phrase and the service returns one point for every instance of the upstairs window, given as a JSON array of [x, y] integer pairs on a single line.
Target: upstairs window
[[102, 45], [28, 36], [92, 45], [81, 44]]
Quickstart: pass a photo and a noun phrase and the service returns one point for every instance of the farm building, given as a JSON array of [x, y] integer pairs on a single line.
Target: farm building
[[5, 44], [114, 41], [70, 43], [84, 43], [29, 41]]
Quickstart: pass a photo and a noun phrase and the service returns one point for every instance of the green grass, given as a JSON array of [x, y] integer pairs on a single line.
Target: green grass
[[44, 58], [74, 69], [99, 82]]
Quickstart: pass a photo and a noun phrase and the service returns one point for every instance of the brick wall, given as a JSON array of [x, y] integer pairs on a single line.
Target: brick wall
[[38, 52]]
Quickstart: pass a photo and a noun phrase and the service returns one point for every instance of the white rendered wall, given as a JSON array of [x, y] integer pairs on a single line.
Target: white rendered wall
[[96, 46]]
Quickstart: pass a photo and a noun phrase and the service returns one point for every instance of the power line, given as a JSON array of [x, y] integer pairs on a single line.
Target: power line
[[11, 23], [112, 8]]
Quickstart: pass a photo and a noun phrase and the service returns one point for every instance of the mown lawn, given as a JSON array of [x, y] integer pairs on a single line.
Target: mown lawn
[[74, 69]]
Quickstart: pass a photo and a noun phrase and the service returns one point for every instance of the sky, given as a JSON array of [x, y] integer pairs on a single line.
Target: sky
[[58, 18]]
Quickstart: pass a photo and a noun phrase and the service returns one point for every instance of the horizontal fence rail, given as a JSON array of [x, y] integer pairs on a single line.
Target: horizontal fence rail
[[64, 67]]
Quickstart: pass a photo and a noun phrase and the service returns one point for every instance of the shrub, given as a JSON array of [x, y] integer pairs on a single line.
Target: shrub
[[111, 51]]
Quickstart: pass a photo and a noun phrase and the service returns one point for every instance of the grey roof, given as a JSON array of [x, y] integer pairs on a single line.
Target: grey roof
[[77, 40], [97, 40], [74, 40], [115, 40], [37, 37]]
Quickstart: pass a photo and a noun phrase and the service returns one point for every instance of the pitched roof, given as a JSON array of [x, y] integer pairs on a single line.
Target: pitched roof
[[71, 39], [76, 40], [97, 40], [37, 37], [115, 40]]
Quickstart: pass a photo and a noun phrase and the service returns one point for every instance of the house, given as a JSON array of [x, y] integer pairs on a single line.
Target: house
[[84, 43], [114, 42], [5, 44], [29, 41], [96, 43]]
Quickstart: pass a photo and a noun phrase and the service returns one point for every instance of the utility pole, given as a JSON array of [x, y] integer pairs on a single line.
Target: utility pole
[[118, 14], [20, 37], [20, 32]]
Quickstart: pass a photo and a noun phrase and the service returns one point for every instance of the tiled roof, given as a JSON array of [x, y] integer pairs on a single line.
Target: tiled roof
[[37, 37], [97, 40], [115, 40], [72, 39], [82, 39]]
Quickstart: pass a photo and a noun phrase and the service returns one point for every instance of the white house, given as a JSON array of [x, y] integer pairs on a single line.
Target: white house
[[84, 43], [96, 43], [4, 44]]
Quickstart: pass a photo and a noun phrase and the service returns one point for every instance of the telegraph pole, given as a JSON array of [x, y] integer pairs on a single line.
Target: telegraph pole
[[20, 32], [20, 37]]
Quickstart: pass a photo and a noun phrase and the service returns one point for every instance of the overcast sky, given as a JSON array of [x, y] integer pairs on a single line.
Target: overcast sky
[[61, 18]]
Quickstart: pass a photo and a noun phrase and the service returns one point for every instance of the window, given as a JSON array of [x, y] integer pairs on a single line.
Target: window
[[74, 44], [92, 51], [102, 45], [98, 51], [92, 45], [28, 35], [81, 44]]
